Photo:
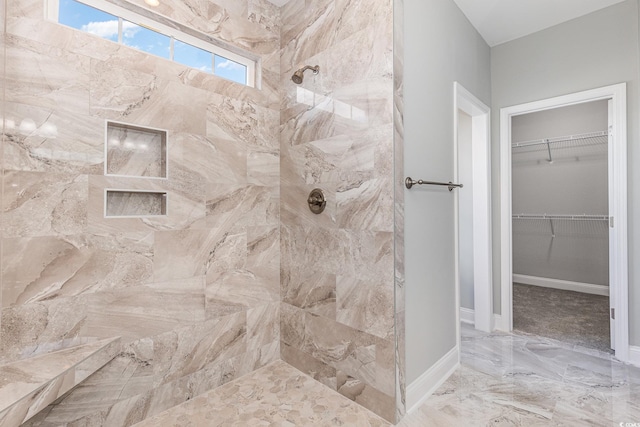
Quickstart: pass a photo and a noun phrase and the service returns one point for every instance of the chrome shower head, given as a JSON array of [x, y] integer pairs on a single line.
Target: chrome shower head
[[298, 76]]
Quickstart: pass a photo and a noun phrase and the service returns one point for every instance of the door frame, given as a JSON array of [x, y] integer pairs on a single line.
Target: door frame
[[481, 174], [618, 247]]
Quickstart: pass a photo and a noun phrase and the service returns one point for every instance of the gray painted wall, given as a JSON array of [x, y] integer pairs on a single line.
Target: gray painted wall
[[441, 47], [574, 183], [465, 209], [595, 50]]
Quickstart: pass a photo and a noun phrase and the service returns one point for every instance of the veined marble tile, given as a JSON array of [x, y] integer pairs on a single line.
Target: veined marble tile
[[255, 125], [308, 289], [306, 363], [143, 99], [356, 15], [368, 255], [238, 290], [230, 206], [208, 159], [181, 254], [64, 82], [232, 285], [359, 356], [263, 325], [343, 159], [52, 140], [26, 328], [45, 268], [365, 305], [263, 167], [143, 311], [265, 14], [44, 204], [313, 248], [315, 120], [366, 206], [24, 8], [191, 348], [315, 163], [90, 406], [263, 253], [30, 385], [307, 31], [228, 253]]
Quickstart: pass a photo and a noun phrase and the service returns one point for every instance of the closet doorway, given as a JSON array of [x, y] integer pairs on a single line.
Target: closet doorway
[[563, 224]]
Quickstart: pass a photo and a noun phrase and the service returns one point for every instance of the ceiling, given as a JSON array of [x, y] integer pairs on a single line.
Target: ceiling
[[500, 21]]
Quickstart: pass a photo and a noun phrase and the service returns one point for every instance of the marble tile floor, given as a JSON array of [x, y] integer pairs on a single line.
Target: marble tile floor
[[526, 380], [504, 379]]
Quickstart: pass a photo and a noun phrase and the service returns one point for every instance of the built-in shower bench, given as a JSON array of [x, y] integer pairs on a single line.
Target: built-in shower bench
[[28, 386]]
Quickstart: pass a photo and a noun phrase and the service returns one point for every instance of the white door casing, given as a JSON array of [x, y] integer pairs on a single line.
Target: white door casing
[[618, 246], [481, 173]]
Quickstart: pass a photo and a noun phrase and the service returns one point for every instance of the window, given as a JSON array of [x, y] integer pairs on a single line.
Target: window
[[121, 25], [146, 40], [230, 69], [192, 56], [89, 20]]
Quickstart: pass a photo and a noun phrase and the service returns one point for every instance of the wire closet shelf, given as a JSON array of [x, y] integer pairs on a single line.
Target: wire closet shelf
[[574, 224], [562, 217], [588, 141]]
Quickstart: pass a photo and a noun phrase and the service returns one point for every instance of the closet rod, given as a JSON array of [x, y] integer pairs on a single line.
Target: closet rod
[[563, 217], [547, 141]]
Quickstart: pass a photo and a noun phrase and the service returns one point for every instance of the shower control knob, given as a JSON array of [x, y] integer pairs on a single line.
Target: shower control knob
[[316, 201]]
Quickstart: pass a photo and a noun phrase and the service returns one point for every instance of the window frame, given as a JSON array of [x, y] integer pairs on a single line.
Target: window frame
[[52, 14]]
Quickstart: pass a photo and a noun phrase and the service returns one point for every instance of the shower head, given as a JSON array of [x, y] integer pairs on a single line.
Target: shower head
[[298, 76]]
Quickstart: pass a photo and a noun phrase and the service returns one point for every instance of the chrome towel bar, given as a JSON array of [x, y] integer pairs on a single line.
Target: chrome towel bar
[[410, 183]]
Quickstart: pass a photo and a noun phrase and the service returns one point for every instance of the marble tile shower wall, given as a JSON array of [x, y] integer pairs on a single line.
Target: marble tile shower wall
[[195, 294], [337, 133]]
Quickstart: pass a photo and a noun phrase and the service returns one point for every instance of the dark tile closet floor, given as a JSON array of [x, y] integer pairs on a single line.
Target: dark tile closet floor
[[571, 317]]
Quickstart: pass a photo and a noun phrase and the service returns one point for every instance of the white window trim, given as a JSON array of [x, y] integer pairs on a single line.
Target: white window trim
[[51, 13]]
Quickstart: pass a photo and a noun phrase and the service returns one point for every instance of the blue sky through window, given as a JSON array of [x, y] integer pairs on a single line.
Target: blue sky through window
[[146, 40], [192, 56], [88, 19], [230, 70], [94, 21]]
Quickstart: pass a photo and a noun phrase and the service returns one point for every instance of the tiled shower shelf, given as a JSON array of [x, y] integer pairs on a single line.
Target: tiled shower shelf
[[134, 203], [135, 151], [30, 385]]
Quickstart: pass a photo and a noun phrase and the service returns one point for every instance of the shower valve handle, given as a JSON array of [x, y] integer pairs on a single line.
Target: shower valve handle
[[316, 201]]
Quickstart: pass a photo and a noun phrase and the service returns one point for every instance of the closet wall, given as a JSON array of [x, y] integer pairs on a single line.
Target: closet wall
[[573, 183]]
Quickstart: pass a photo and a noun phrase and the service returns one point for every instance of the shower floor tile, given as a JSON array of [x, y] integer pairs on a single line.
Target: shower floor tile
[[275, 395], [504, 379]]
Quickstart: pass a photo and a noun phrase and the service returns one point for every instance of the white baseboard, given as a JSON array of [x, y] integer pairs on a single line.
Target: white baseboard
[[468, 315], [423, 387], [566, 285], [634, 355]]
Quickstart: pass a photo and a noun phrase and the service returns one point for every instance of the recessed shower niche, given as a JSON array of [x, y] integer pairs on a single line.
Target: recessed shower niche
[[120, 203], [135, 151]]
